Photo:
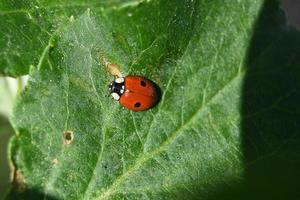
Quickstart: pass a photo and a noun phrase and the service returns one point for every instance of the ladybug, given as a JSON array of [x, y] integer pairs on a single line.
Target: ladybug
[[136, 93]]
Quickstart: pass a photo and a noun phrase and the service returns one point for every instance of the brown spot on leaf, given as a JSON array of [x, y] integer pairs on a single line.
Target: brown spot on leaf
[[113, 69], [18, 180], [55, 161], [68, 137]]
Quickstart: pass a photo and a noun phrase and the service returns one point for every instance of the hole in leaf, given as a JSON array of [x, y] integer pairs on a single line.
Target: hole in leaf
[[55, 161], [143, 83], [68, 137], [137, 104]]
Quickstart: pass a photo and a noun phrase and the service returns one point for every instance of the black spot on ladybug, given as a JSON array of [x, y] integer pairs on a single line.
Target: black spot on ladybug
[[143, 83], [137, 104]]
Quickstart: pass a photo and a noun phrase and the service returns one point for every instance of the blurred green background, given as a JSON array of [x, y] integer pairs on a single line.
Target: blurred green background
[[8, 92], [5, 132], [9, 88]]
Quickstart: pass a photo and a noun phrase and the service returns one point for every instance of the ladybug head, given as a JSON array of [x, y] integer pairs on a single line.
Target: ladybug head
[[116, 88]]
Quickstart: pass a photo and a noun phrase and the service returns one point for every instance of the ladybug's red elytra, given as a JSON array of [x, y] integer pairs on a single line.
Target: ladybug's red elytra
[[136, 93]]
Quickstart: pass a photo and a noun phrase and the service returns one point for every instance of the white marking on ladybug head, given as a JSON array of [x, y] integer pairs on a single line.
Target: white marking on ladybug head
[[110, 87], [119, 80], [115, 96], [123, 89]]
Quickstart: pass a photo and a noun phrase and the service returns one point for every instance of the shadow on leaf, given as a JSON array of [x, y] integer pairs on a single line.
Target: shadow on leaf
[[28, 194], [270, 112]]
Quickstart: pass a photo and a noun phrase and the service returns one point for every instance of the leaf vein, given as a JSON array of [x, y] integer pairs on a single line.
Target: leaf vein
[[173, 135]]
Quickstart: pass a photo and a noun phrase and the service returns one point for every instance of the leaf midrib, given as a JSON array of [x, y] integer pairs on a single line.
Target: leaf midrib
[[173, 135]]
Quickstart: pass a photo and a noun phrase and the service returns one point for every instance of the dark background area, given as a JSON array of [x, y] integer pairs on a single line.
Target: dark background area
[[5, 132], [292, 8], [271, 107]]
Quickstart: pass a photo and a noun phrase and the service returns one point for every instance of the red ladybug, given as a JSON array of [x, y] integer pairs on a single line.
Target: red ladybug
[[136, 93]]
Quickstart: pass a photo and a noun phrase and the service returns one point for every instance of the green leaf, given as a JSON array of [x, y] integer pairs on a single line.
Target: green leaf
[[217, 65], [27, 26]]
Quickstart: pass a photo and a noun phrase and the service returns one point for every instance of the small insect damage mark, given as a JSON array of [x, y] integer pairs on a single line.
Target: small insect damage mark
[[71, 18], [113, 69], [17, 180], [55, 161], [68, 137]]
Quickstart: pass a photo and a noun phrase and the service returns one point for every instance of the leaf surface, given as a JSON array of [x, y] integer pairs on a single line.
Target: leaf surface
[[28, 26]]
